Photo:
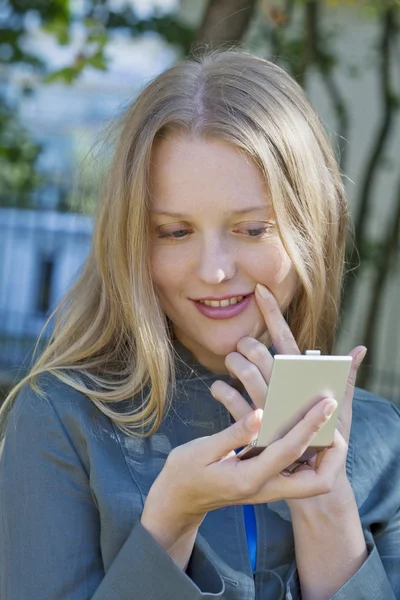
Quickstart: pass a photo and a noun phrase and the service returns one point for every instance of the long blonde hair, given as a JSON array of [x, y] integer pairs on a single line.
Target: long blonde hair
[[111, 340]]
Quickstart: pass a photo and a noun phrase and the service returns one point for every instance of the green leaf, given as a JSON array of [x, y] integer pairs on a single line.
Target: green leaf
[[60, 29], [98, 61], [67, 75]]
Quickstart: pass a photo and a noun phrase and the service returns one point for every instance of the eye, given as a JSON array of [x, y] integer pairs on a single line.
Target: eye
[[255, 231], [174, 235]]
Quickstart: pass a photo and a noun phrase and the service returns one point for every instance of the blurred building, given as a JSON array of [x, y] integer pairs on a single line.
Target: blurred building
[[41, 253]]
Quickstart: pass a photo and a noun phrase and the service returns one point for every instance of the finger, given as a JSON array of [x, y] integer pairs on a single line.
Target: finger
[[319, 458], [240, 434], [358, 355], [305, 482], [249, 374], [296, 468], [285, 451], [233, 401], [278, 329], [336, 452], [321, 479], [309, 464], [345, 414], [258, 354]]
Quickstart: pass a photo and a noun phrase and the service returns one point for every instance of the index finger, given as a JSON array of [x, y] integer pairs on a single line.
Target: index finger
[[279, 330]]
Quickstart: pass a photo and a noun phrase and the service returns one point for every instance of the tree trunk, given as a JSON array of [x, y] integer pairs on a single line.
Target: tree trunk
[[225, 21], [311, 22], [315, 52]]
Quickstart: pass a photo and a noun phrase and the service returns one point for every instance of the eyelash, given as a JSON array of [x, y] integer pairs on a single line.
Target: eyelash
[[170, 236]]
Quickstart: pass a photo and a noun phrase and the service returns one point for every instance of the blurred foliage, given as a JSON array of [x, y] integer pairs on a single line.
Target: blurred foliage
[[99, 20], [298, 35], [18, 155], [297, 47]]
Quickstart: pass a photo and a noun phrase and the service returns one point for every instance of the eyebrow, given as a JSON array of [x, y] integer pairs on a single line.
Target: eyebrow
[[241, 211]]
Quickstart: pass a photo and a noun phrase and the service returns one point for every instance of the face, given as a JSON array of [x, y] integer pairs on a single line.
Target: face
[[213, 240]]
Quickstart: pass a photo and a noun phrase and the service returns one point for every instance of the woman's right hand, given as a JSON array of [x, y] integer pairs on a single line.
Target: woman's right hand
[[205, 474]]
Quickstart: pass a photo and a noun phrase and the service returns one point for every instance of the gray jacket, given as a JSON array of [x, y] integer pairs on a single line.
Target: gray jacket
[[72, 489]]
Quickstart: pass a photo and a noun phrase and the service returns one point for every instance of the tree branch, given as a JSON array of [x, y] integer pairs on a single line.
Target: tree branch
[[387, 254], [388, 31], [341, 112], [325, 64]]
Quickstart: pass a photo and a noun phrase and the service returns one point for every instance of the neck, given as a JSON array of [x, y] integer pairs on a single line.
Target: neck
[[212, 362]]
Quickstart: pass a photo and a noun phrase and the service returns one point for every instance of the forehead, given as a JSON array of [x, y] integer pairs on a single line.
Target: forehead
[[203, 171]]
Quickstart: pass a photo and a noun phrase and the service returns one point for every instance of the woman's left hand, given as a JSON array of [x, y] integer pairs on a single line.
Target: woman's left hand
[[252, 366]]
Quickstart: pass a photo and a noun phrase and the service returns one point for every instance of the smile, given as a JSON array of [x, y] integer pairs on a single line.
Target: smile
[[226, 302], [223, 309]]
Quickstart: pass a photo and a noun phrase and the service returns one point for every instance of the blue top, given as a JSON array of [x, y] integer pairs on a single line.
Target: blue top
[[251, 529], [251, 533]]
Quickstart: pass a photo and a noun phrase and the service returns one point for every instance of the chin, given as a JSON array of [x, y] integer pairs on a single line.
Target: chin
[[218, 345], [223, 348], [227, 344]]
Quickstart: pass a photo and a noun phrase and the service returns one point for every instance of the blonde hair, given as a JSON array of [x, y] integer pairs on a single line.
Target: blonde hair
[[111, 340]]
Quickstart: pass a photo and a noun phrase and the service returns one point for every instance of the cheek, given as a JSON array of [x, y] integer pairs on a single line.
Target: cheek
[[160, 273], [279, 274], [167, 270]]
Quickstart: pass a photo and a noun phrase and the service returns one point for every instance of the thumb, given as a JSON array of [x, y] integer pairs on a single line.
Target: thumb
[[345, 414], [358, 355], [237, 435]]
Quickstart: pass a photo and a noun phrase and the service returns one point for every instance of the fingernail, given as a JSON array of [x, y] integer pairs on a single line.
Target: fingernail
[[263, 291], [330, 408], [361, 355]]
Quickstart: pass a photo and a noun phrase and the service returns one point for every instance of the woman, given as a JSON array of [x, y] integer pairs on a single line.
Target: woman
[[118, 475]]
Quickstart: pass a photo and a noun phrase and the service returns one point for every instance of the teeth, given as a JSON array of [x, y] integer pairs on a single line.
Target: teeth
[[225, 302], [218, 303]]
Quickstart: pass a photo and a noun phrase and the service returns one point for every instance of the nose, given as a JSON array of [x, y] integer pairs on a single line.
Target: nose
[[216, 261]]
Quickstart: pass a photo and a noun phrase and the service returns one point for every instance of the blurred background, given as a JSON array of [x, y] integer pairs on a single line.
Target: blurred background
[[69, 66]]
